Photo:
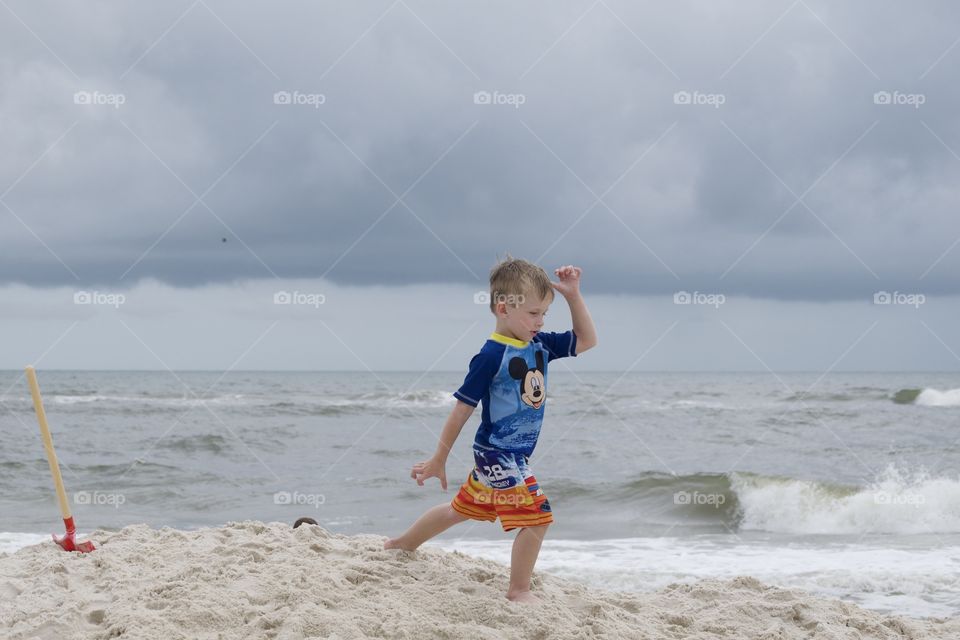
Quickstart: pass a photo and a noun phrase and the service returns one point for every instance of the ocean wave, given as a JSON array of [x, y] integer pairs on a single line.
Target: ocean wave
[[821, 397], [935, 398], [367, 402], [700, 499], [303, 405], [139, 473], [897, 503], [208, 442], [699, 404], [425, 398], [906, 396], [183, 401], [146, 399], [329, 408], [673, 405], [928, 397]]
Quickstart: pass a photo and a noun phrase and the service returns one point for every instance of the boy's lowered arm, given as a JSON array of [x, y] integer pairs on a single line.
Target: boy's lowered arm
[[436, 467], [451, 430]]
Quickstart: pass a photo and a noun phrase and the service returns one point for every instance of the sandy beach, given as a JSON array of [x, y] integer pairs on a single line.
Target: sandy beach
[[268, 580], [644, 311]]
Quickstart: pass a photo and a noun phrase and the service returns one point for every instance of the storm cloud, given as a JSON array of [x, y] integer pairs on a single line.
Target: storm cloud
[[790, 150]]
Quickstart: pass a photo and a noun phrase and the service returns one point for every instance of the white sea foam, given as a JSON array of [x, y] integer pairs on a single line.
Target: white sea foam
[[11, 541], [935, 398], [898, 503], [918, 582]]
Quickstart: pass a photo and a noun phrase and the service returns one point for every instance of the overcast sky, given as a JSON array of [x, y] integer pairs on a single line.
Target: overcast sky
[[197, 158]]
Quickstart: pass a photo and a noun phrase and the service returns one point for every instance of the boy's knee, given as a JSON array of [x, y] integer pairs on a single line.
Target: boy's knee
[[455, 515], [539, 530]]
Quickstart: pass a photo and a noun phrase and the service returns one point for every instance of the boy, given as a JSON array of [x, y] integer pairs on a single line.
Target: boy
[[509, 377]]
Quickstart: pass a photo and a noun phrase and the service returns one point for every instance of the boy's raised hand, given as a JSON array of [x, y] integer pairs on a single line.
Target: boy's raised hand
[[569, 279], [432, 468]]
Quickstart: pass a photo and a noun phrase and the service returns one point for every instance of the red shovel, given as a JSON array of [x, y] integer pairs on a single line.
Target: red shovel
[[68, 542]]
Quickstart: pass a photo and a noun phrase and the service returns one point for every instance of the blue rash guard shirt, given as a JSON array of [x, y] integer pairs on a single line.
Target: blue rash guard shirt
[[509, 378]]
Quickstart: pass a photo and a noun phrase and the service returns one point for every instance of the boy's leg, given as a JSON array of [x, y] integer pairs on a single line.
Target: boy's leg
[[435, 521], [526, 548]]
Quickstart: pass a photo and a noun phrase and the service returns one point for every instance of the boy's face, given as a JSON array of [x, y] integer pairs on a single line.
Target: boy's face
[[526, 319]]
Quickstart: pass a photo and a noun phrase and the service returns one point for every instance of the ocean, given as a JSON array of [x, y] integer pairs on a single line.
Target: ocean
[[845, 485]]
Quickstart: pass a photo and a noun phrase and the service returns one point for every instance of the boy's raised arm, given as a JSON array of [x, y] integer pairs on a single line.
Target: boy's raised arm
[[569, 288], [436, 467]]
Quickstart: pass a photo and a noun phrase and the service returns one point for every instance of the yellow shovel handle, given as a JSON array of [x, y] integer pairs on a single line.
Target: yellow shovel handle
[[48, 442]]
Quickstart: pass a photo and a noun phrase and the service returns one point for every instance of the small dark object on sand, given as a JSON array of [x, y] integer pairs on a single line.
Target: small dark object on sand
[[304, 521]]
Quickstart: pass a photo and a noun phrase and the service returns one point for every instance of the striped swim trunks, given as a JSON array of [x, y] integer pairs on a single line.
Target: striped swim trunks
[[501, 485]]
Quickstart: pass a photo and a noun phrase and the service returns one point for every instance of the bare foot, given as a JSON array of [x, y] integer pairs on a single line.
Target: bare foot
[[394, 543], [523, 596]]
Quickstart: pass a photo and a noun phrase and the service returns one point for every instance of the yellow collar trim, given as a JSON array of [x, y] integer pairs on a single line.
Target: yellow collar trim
[[513, 342]]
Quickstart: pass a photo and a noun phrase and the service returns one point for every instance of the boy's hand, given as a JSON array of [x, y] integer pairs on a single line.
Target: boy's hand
[[432, 468], [569, 280]]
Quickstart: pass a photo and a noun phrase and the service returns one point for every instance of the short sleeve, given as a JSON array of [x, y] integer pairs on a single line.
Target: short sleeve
[[476, 384], [559, 345]]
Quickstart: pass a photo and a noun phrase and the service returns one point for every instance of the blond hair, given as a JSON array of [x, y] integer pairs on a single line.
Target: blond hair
[[513, 279]]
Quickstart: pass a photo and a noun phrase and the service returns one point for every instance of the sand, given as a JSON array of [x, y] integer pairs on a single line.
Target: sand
[[256, 580]]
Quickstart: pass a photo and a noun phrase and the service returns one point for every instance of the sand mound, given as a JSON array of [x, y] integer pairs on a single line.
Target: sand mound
[[256, 580]]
